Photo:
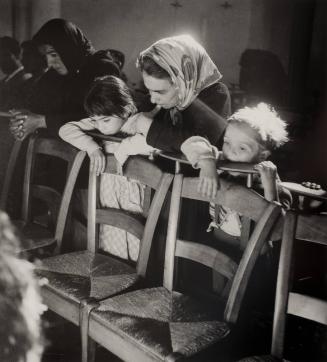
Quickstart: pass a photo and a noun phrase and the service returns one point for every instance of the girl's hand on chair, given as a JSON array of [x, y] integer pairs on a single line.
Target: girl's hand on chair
[[208, 178], [97, 162], [24, 122]]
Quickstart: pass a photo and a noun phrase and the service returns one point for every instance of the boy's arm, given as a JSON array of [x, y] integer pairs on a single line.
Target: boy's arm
[[201, 154], [268, 174], [198, 148], [74, 133]]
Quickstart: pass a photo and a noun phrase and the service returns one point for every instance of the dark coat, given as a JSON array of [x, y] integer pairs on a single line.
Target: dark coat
[[204, 117], [11, 95], [61, 98]]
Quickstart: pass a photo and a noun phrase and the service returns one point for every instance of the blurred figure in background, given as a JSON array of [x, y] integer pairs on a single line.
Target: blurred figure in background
[[20, 302], [16, 76], [74, 64], [32, 60]]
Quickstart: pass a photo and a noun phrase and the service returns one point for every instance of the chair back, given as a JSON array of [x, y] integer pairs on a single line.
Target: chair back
[[142, 226], [57, 202], [245, 202], [9, 173], [313, 229]]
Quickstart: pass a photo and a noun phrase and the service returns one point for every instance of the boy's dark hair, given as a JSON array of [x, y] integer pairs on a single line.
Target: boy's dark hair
[[10, 44], [109, 96], [149, 66]]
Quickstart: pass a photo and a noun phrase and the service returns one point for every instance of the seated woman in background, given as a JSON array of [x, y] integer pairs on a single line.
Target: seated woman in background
[[73, 65], [20, 302]]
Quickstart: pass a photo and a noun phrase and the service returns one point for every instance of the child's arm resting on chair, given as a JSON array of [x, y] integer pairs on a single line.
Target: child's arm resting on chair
[[201, 154], [74, 133]]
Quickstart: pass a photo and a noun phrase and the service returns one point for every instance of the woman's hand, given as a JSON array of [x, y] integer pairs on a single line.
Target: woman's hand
[[24, 122], [268, 174], [208, 178], [97, 161]]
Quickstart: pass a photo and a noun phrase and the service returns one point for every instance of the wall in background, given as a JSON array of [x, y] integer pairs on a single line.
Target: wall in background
[[132, 25], [5, 18], [5, 21]]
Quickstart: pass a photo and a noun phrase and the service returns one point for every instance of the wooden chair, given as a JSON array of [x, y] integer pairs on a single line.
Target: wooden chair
[[161, 324], [45, 232], [9, 174], [309, 228], [76, 280]]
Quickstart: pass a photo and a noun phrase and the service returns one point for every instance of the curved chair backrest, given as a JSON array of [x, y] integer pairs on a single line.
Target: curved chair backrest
[[313, 229], [146, 173], [57, 202], [245, 202], [9, 173]]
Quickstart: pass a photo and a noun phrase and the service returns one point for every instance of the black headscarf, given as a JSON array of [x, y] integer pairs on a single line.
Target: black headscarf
[[68, 40]]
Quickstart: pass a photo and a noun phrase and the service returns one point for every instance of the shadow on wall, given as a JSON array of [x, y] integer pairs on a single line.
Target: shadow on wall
[[263, 77]]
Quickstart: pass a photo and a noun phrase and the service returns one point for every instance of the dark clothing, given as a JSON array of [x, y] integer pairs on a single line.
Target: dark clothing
[[61, 98], [68, 41], [11, 95], [204, 117]]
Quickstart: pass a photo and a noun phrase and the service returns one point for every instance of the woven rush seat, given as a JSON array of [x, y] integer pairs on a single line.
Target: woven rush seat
[[76, 281], [265, 358], [82, 275], [164, 323]]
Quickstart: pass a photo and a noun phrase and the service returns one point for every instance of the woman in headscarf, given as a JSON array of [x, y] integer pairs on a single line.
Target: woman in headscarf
[[185, 83], [73, 64]]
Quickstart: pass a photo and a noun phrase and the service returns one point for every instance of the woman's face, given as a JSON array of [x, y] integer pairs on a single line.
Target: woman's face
[[162, 91], [53, 59]]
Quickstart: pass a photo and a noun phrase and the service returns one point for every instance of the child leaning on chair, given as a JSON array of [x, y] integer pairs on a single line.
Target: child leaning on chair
[[252, 134], [111, 108]]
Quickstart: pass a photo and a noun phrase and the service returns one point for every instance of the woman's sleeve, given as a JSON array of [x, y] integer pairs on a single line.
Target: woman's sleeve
[[134, 145], [74, 133]]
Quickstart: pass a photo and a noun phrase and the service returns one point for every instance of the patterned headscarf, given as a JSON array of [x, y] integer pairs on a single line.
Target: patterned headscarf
[[188, 64]]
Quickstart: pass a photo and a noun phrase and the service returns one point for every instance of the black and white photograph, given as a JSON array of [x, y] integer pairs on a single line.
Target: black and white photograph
[[163, 180]]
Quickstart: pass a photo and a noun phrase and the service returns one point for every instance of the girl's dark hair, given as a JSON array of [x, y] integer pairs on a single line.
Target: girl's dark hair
[[149, 66], [109, 96]]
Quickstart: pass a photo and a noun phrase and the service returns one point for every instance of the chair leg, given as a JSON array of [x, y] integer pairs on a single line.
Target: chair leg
[[88, 345], [89, 354]]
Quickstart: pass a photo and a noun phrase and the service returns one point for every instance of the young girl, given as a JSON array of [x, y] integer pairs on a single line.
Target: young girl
[[111, 109]]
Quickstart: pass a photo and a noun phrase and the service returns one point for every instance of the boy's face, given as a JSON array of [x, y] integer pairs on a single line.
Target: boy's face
[[108, 124], [241, 144]]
